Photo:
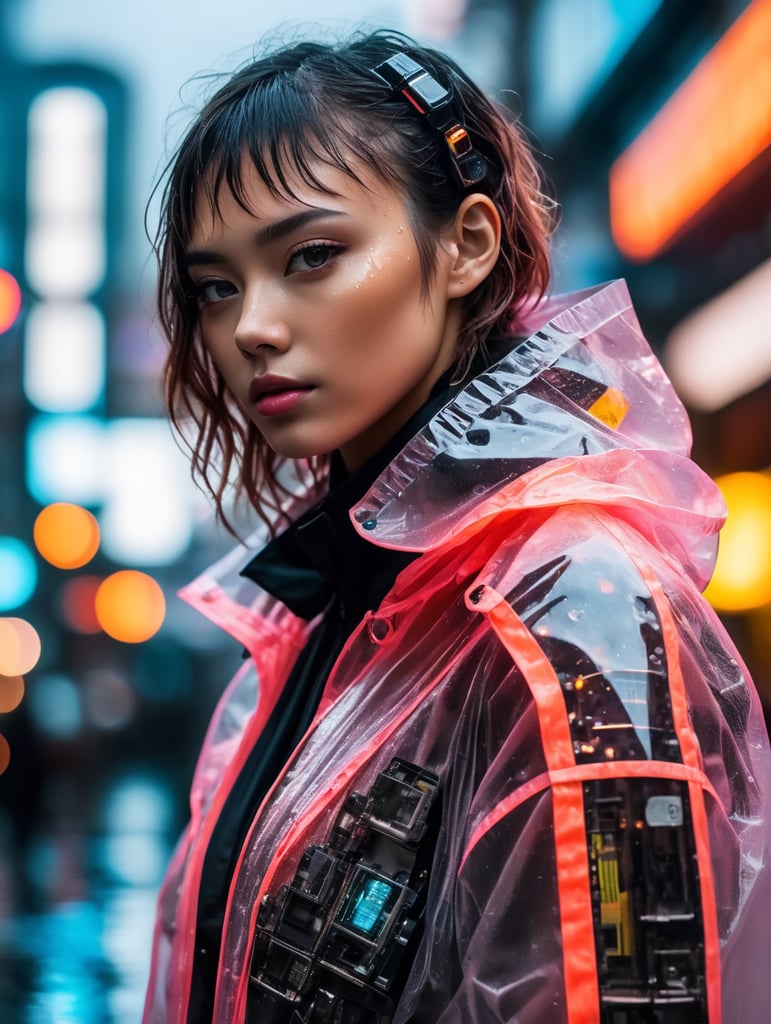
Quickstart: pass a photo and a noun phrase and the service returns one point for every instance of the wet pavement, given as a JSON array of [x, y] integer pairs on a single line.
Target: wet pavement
[[77, 908]]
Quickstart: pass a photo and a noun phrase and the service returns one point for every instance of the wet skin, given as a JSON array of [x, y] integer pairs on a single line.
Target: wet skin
[[313, 312]]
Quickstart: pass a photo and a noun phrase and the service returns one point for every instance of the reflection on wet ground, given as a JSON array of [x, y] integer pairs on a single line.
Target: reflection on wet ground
[[76, 911]]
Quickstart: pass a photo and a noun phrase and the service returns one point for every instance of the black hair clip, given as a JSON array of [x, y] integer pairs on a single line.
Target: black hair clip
[[437, 104]]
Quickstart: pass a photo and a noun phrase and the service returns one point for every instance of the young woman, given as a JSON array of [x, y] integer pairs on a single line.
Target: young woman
[[492, 757]]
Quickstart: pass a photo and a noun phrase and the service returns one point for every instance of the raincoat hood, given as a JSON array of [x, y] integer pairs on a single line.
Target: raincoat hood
[[580, 411]]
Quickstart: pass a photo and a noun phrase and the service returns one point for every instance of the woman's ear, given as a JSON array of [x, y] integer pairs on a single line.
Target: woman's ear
[[476, 234]]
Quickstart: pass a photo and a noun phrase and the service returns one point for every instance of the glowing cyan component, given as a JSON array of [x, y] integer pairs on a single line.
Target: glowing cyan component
[[19, 647], [18, 573], [369, 905], [11, 693], [66, 535], [742, 578], [10, 300], [130, 606]]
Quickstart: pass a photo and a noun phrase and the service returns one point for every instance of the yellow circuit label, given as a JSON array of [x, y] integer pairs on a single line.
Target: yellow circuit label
[[611, 407]]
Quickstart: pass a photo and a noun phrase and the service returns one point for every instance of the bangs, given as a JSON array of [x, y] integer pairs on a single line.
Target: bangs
[[285, 132]]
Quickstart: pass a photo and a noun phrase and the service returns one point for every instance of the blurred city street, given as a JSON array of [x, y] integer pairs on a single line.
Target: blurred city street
[[102, 710]]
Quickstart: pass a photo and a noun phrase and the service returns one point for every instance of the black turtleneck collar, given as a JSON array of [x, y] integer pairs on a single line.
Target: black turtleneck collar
[[321, 555]]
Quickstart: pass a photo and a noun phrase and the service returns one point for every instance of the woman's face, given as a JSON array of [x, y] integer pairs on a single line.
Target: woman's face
[[313, 312]]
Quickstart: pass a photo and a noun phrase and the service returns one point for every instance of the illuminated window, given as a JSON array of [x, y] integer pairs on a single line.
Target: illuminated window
[[64, 357], [66, 244], [65, 459]]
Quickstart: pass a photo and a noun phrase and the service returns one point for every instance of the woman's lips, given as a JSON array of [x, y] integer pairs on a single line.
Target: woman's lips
[[273, 403], [272, 395]]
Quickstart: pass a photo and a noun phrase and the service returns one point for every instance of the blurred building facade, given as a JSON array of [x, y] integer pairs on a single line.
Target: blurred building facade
[[95, 791]]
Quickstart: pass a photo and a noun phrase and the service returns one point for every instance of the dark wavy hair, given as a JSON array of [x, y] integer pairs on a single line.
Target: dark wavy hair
[[284, 112]]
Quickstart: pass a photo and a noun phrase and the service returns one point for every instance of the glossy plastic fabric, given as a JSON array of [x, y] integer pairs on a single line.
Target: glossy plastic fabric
[[589, 546]]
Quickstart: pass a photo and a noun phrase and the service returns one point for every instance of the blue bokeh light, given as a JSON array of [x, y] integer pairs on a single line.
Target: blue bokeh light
[[18, 573]]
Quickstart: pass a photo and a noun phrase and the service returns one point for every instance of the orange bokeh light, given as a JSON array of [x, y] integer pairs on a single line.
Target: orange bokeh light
[[11, 693], [5, 754], [130, 606], [77, 601], [10, 300], [66, 535], [19, 647]]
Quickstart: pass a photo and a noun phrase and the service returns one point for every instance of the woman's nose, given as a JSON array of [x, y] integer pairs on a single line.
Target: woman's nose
[[262, 323]]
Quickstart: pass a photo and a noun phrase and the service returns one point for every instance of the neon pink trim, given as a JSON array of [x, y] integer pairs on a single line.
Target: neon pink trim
[[541, 679], [585, 773]]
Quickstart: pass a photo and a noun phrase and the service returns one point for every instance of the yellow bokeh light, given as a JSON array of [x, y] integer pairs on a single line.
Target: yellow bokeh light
[[66, 535], [742, 578], [5, 754], [19, 647], [130, 606], [11, 693]]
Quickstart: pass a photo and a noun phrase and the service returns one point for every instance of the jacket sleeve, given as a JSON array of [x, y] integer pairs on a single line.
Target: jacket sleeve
[[619, 875]]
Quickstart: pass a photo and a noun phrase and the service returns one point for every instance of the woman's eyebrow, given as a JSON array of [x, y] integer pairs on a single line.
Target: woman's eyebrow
[[271, 232]]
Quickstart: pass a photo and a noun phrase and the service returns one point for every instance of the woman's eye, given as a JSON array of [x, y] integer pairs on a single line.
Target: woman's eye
[[312, 257], [214, 290]]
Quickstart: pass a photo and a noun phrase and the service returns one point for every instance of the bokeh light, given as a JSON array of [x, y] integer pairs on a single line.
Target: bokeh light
[[11, 693], [77, 603], [5, 754], [109, 701], [742, 578], [66, 535], [56, 707], [18, 573], [10, 300], [19, 647], [130, 606]]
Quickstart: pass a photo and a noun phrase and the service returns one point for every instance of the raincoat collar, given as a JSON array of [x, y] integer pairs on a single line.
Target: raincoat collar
[[580, 411]]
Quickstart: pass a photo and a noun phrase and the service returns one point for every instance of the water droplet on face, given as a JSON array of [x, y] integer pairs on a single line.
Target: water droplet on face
[[400, 230]]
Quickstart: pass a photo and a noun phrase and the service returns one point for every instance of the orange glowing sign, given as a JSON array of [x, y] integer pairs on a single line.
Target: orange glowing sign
[[712, 127]]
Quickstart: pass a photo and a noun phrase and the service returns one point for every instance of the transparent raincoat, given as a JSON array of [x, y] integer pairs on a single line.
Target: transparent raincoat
[[571, 736]]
